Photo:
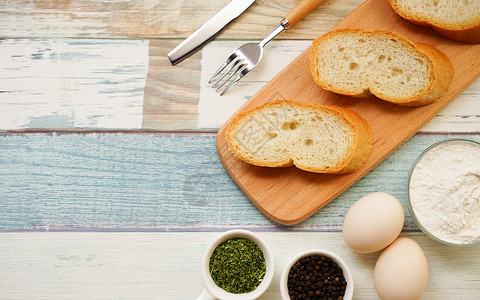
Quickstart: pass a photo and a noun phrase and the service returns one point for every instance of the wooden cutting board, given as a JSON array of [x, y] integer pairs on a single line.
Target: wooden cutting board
[[289, 195]]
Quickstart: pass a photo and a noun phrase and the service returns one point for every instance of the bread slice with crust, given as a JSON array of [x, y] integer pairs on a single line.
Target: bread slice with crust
[[358, 63], [457, 20], [315, 138]]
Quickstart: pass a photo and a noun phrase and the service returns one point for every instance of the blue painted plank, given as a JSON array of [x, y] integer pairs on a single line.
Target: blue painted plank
[[154, 182]]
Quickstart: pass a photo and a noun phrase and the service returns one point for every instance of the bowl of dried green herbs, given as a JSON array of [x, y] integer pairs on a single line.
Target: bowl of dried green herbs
[[237, 265], [316, 274]]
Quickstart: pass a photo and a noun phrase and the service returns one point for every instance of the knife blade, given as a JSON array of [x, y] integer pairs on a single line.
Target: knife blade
[[209, 30]]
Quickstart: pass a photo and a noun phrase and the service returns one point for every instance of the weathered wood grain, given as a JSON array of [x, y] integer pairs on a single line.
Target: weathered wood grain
[[167, 265], [157, 19], [171, 92], [104, 84], [72, 83], [154, 182]]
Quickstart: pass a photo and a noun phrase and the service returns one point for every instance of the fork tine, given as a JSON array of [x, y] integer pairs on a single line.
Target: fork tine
[[235, 72], [239, 76], [225, 63], [233, 64]]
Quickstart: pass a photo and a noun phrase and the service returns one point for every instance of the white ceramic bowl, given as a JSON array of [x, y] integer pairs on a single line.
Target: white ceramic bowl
[[346, 271], [212, 291]]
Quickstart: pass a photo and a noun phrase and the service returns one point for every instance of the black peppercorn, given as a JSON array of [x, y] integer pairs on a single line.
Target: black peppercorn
[[316, 277]]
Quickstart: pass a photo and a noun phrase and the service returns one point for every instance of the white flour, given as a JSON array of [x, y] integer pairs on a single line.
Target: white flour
[[445, 192]]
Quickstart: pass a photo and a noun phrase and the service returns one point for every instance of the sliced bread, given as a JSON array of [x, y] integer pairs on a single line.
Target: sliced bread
[[457, 20], [315, 138], [359, 63]]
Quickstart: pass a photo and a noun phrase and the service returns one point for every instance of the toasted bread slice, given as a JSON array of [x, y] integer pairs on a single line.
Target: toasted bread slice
[[359, 63], [315, 138], [457, 20]]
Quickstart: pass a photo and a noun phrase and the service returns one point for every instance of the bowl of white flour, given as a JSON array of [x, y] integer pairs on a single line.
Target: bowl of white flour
[[443, 192]]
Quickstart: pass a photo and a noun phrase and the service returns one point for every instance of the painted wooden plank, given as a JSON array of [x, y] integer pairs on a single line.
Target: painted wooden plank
[[154, 19], [72, 83], [95, 83], [154, 182], [167, 266], [462, 115], [104, 84]]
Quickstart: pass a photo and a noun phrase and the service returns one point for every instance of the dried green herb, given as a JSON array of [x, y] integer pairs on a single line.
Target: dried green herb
[[237, 265]]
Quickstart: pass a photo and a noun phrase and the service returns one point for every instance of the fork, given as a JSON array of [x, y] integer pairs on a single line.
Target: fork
[[247, 57]]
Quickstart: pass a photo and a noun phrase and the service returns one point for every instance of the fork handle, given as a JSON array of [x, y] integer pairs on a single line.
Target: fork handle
[[303, 8]]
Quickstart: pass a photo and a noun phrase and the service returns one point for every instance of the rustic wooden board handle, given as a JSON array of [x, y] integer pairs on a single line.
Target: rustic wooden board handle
[[303, 8]]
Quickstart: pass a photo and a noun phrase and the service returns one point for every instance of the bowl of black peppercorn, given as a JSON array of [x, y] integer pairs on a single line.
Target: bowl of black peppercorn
[[316, 274]]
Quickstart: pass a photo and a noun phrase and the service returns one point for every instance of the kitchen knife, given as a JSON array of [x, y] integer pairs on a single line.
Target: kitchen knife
[[208, 30]]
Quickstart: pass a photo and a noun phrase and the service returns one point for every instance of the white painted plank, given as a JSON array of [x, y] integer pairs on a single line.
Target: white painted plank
[[461, 115], [72, 83], [167, 265], [99, 84]]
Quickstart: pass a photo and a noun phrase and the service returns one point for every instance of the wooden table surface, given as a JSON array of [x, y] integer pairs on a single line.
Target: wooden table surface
[[110, 185]]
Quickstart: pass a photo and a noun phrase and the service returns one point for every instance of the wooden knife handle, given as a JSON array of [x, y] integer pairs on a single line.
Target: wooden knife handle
[[303, 8]]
